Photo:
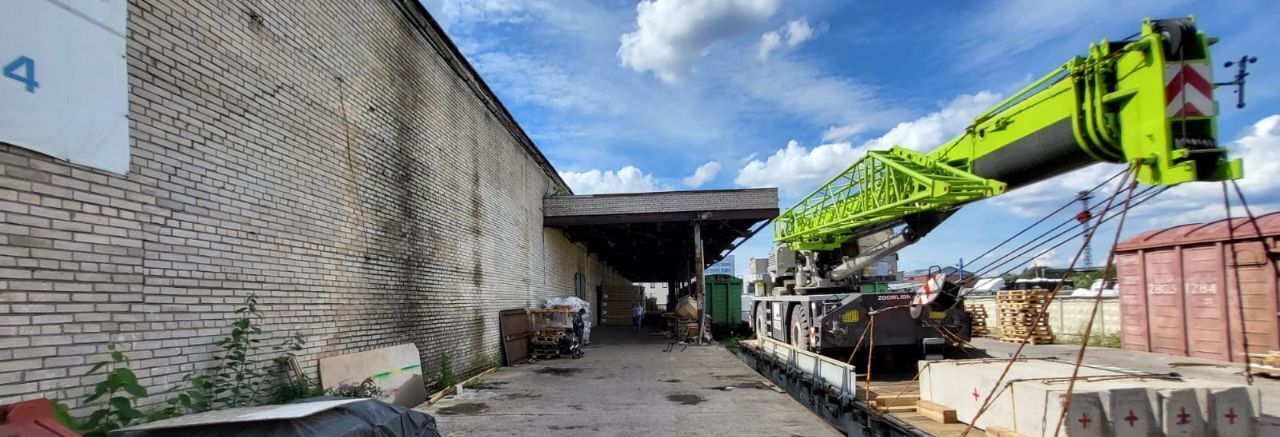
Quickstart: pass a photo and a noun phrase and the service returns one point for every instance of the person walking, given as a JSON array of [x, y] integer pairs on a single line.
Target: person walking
[[637, 313]]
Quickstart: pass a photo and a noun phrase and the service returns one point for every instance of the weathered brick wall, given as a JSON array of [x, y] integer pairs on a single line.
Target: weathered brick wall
[[320, 154]]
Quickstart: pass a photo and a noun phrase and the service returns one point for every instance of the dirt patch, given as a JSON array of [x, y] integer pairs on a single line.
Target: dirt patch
[[464, 409], [576, 407], [685, 399], [735, 376], [561, 428], [519, 396], [485, 385], [558, 371], [672, 381]]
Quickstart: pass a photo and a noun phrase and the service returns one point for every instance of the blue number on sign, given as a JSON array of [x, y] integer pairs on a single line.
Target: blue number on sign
[[28, 75]]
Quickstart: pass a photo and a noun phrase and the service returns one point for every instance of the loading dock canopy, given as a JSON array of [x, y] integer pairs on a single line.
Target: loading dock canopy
[[648, 237]]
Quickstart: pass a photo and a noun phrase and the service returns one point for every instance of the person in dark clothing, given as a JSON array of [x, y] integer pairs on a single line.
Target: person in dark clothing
[[566, 342], [579, 330]]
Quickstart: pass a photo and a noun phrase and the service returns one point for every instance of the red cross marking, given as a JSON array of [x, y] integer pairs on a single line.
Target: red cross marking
[[1182, 416], [1131, 418], [1231, 415], [975, 394], [1084, 420]]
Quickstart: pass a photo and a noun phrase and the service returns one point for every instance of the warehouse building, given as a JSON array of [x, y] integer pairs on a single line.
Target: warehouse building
[[339, 160]]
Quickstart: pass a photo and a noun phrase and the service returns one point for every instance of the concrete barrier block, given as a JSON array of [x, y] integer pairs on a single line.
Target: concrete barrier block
[[1181, 412], [1233, 411], [1132, 413]]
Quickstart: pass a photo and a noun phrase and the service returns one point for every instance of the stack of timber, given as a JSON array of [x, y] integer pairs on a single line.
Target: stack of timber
[[978, 319], [546, 343], [616, 303], [1267, 364], [1024, 315]]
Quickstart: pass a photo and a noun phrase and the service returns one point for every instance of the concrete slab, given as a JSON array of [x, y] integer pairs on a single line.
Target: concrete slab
[[627, 386], [1196, 368]]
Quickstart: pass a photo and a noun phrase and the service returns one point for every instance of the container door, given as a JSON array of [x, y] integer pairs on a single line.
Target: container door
[[1133, 302], [1259, 301], [733, 303], [1164, 302], [1205, 300]]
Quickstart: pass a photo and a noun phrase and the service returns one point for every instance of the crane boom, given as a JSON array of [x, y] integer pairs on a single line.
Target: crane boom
[[1146, 102]]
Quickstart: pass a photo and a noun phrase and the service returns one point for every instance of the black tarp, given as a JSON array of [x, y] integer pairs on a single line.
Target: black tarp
[[367, 418]]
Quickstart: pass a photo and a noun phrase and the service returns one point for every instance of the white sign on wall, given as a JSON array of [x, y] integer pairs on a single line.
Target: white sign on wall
[[64, 90]]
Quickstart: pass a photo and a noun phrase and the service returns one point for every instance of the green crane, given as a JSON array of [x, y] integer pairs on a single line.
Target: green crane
[[1146, 102]]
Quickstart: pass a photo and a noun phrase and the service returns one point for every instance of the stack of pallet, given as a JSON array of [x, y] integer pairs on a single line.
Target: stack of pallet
[[978, 319], [1024, 315], [616, 303], [545, 343]]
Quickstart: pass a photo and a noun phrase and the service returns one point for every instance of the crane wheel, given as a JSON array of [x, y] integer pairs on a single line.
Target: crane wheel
[[799, 333]]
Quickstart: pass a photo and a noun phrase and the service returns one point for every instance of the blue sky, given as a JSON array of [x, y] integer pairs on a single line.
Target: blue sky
[[702, 94]]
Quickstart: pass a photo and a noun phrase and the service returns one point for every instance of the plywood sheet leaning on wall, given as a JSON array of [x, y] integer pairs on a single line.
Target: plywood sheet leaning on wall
[[397, 370]]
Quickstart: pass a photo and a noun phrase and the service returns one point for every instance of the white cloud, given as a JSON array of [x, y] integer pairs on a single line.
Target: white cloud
[[1048, 28], [804, 90], [452, 12], [792, 34], [670, 35], [843, 132], [539, 81], [704, 173], [1050, 258], [932, 130], [769, 42], [796, 169], [628, 179], [798, 31]]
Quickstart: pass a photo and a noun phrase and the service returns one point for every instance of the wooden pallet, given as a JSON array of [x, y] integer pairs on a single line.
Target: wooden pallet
[[977, 320], [1032, 340], [1022, 314]]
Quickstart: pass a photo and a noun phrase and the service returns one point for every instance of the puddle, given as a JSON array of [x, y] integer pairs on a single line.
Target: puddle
[[561, 428], [559, 371], [466, 408], [519, 396], [576, 407], [686, 399], [672, 381]]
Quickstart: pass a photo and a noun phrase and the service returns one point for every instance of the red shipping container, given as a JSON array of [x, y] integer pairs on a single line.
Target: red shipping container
[[1179, 297]]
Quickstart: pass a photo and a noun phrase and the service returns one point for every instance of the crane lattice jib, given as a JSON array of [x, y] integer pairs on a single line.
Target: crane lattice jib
[[880, 187], [1147, 102]]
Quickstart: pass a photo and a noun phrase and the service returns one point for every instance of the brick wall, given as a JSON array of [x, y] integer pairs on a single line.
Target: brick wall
[[329, 156]]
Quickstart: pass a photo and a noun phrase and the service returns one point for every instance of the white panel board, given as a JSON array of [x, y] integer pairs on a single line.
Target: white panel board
[[397, 370], [244, 414], [64, 88]]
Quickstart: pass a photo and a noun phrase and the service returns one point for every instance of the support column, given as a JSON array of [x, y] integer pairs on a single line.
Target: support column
[[700, 289]]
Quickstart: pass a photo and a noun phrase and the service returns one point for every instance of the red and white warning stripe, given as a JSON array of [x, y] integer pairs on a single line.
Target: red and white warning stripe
[[1188, 90], [927, 293]]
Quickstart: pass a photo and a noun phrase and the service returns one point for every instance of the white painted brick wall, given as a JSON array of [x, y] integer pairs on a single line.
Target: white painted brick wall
[[319, 154]]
